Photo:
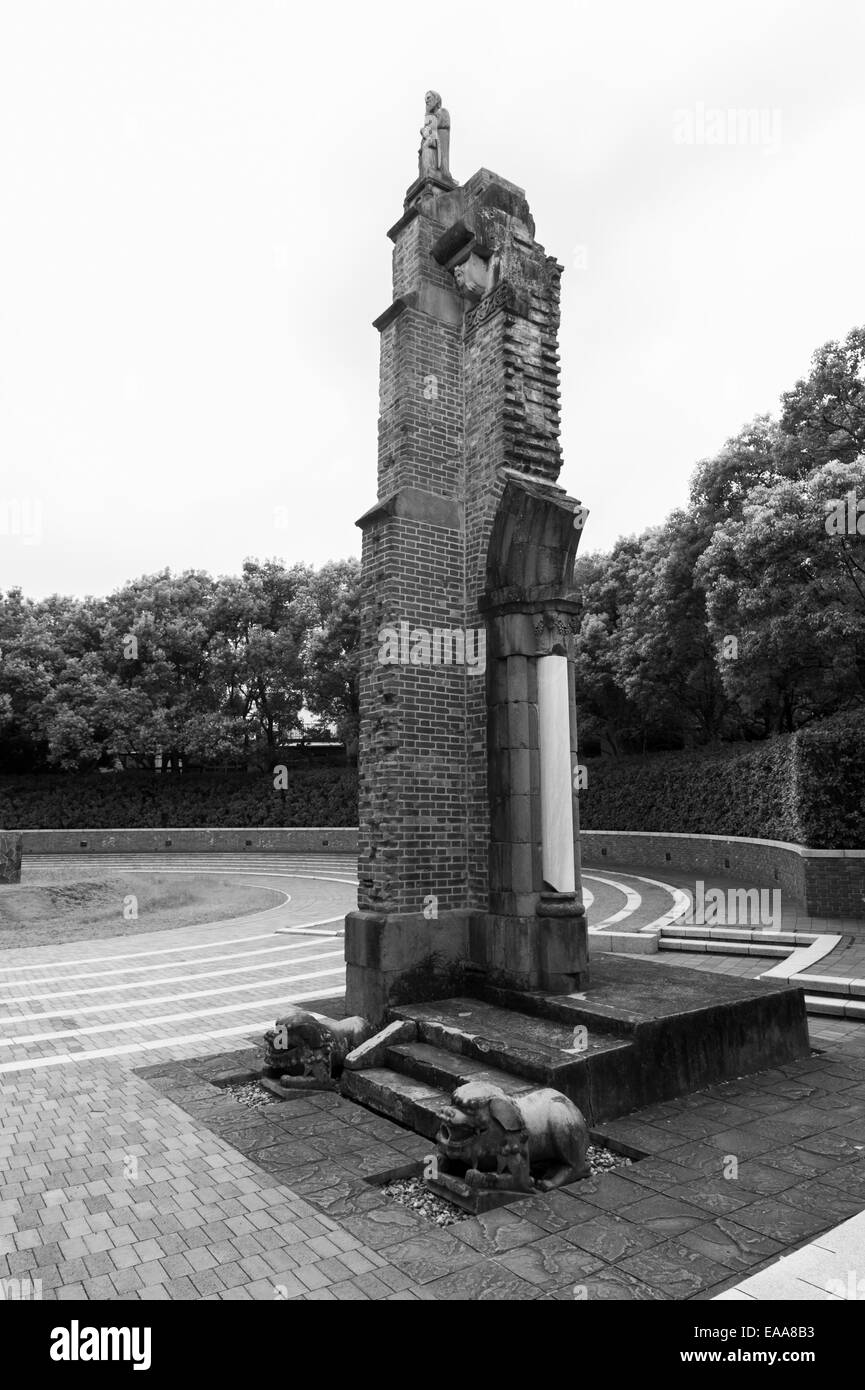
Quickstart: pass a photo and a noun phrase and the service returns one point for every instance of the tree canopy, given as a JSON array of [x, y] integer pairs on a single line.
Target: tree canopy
[[185, 666], [744, 614]]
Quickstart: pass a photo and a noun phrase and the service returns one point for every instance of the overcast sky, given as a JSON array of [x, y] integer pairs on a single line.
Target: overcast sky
[[194, 196]]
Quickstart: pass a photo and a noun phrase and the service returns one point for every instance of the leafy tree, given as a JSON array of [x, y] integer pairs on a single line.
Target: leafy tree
[[186, 666], [332, 656], [823, 417], [752, 458], [792, 596]]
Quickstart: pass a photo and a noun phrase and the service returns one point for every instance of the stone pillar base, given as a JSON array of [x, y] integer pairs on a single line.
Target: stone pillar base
[[403, 958], [548, 951]]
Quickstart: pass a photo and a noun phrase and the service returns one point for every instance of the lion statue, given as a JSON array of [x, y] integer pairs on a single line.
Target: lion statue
[[307, 1051], [536, 1141]]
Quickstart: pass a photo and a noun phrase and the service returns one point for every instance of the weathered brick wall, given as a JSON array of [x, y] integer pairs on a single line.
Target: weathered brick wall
[[483, 368], [510, 365], [835, 886], [532, 375], [412, 747], [420, 435], [412, 744]]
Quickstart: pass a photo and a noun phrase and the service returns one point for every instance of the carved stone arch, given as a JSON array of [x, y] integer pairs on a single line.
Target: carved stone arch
[[533, 543]]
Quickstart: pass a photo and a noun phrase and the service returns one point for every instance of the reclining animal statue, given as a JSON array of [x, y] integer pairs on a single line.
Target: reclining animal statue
[[306, 1051], [532, 1142]]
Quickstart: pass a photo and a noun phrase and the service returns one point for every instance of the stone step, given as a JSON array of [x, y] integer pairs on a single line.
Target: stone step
[[540, 1050], [752, 934], [697, 944], [831, 984], [402, 1098], [444, 1070], [835, 1007]]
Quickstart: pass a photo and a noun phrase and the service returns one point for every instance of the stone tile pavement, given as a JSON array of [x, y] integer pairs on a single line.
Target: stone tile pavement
[[734, 1178]]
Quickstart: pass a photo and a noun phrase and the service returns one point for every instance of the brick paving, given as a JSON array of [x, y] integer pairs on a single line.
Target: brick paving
[[140, 992], [126, 1174], [108, 1189]]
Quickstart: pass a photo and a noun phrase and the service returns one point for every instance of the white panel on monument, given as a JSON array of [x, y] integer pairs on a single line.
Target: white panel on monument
[[557, 812]]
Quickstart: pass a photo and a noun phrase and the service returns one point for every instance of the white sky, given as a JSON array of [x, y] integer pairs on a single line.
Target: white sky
[[194, 196]]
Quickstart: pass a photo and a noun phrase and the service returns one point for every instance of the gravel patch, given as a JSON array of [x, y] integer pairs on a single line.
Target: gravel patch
[[413, 1193], [604, 1160], [252, 1094]]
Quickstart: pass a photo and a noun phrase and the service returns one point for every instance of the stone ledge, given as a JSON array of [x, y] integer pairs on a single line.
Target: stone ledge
[[415, 504], [805, 851], [192, 839]]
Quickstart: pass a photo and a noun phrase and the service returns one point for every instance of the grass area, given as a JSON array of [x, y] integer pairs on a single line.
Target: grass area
[[42, 914]]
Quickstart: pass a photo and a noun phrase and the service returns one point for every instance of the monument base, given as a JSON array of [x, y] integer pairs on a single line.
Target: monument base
[[641, 1033], [548, 951]]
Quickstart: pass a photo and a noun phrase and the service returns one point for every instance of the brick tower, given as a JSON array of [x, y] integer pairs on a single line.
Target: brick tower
[[469, 848]]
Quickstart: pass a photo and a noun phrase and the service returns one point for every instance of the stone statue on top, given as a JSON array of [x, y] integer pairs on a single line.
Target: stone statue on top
[[435, 140]]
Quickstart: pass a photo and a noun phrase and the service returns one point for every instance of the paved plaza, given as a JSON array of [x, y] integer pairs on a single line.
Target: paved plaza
[[127, 1174]]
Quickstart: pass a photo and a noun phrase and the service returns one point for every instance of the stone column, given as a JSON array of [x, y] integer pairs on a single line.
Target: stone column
[[534, 936], [554, 736]]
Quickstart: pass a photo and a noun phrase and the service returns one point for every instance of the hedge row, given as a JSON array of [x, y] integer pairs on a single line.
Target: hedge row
[[112, 801], [807, 788], [829, 776]]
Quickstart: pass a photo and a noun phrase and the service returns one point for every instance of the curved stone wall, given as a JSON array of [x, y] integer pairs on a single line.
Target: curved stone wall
[[825, 882]]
